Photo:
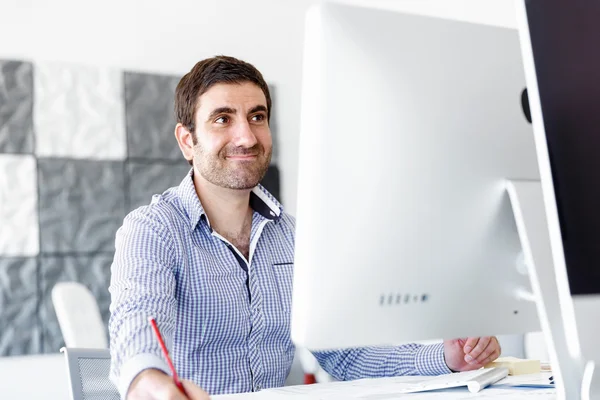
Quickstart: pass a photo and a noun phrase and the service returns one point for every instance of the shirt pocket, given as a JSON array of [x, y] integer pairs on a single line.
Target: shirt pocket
[[284, 277]]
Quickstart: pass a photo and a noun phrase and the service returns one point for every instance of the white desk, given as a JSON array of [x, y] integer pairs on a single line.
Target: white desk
[[34, 377], [374, 389]]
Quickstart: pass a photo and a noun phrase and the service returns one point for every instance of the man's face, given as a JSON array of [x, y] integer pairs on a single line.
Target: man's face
[[234, 143]]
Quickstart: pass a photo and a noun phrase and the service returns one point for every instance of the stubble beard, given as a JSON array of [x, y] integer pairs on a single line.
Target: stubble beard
[[217, 170]]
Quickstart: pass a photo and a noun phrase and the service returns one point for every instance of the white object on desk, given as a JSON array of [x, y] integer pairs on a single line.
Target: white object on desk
[[530, 380], [386, 389], [475, 381]]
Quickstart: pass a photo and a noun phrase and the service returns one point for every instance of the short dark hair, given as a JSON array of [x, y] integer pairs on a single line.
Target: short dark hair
[[205, 74]]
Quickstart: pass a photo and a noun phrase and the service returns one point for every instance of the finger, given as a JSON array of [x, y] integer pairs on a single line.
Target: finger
[[495, 354], [194, 392], [492, 346], [470, 345], [489, 350], [482, 344]]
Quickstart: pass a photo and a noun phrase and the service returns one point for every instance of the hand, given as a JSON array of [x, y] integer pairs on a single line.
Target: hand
[[153, 384], [470, 354]]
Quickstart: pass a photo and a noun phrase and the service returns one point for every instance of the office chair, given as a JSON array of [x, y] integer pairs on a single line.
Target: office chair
[[88, 371]]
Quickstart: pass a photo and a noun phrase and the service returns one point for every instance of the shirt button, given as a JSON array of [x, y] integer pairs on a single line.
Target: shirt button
[[257, 388]]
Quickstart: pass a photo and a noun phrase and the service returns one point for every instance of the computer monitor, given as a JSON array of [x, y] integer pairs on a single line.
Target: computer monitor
[[560, 43], [411, 129]]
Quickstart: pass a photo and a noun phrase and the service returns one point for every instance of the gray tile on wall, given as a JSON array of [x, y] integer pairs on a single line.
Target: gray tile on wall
[[148, 178], [82, 204], [19, 326], [16, 107], [92, 271], [149, 115], [274, 126]]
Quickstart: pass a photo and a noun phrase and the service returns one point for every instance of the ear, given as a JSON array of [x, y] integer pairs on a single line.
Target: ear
[[185, 141]]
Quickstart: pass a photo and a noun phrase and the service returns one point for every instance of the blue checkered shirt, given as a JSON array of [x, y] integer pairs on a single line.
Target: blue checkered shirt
[[226, 322]]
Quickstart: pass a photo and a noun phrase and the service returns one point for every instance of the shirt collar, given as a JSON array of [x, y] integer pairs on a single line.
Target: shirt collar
[[261, 201]]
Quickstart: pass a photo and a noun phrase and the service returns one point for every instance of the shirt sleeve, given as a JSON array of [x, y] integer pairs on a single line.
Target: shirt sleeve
[[142, 285], [378, 362]]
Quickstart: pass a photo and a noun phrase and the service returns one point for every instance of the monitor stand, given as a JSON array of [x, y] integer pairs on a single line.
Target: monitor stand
[[572, 373]]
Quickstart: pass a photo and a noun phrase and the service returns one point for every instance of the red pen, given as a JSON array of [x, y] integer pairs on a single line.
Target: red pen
[[166, 354]]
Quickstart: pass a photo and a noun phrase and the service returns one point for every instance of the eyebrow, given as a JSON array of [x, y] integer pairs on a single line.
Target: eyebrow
[[229, 110], [221, 110], [257, 109]]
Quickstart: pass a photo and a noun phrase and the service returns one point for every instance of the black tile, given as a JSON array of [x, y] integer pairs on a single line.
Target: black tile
[[271, 181]]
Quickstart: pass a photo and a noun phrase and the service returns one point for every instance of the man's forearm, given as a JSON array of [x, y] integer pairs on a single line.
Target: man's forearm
[[377, 362]]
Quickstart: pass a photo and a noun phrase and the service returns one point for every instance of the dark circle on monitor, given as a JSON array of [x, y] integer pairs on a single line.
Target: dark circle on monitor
[[525, 105]]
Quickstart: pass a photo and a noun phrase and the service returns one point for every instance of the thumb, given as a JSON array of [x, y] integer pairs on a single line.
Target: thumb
[[193, 391]]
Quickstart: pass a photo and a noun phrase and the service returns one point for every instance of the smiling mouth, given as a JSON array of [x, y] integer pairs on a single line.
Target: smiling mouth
[[242, 157]]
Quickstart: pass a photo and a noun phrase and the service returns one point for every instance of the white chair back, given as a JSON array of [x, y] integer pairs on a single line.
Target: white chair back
[[78, 316]]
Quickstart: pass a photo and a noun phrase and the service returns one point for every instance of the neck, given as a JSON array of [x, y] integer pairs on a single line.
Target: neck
[[228, 210]]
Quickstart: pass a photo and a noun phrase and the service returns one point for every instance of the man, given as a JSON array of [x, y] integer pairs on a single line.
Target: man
[[212, 261]]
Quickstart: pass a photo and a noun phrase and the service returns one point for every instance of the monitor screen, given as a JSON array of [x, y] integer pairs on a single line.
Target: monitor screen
[[565, 38]]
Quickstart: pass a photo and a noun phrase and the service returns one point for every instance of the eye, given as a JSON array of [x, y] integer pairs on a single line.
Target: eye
[[222, 120], [258, 117]]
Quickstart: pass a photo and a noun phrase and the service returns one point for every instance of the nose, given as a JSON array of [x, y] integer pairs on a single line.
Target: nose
[[244, 136]]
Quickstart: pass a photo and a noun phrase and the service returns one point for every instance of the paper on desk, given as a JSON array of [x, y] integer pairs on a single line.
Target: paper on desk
[[529, 380], [449, 394], [239, 396], [388, 388], [357, 389]]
